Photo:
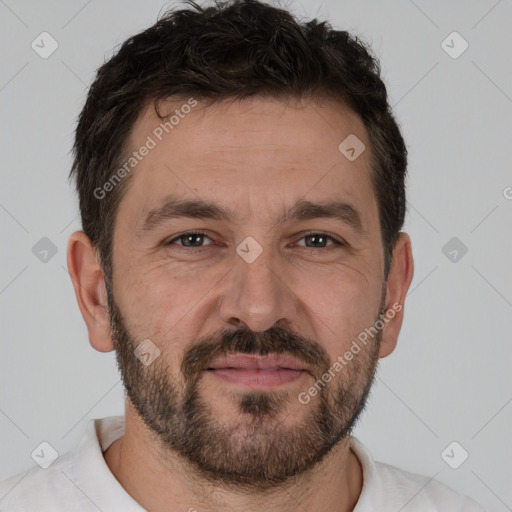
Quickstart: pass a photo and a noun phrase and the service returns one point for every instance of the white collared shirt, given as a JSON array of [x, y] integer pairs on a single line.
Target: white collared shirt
[[81, 481]]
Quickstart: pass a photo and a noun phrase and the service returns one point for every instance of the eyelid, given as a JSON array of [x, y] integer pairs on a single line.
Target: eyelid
[[337, 241], [185, 233]]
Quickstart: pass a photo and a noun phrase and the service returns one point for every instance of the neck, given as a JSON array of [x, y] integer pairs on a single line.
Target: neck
[[161, 485]]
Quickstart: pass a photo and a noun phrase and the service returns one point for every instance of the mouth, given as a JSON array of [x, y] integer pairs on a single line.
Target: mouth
[[257, 371]]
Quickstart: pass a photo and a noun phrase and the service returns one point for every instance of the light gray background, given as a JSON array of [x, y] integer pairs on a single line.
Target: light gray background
[[449, 378]]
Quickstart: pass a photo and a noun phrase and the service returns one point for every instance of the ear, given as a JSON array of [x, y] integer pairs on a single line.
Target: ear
[[89, 284], [399, 279]]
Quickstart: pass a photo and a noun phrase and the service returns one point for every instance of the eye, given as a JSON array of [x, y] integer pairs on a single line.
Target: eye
[[320, 240], [191, 239]]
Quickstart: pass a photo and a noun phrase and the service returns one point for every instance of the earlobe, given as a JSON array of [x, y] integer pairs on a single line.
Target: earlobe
[[89, 285], [399, 279]]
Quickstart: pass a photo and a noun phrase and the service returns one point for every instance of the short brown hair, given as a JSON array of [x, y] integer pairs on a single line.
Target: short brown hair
[[233, 49]]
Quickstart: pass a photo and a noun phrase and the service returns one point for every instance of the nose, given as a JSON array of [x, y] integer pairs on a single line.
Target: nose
[[257, 295]]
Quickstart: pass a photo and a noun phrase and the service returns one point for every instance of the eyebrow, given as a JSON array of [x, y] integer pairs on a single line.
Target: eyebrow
[[175, 208]]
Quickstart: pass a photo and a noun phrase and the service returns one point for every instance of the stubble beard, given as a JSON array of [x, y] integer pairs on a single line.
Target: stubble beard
[[262, 448]]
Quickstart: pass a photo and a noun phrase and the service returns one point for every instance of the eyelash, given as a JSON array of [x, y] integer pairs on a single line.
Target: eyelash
[[337, 243]]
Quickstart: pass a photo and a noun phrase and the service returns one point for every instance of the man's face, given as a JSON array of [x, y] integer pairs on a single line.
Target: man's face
[[253, 283]]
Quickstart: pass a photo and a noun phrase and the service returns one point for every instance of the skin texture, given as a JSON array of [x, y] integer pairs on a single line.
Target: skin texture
[[257, 157]]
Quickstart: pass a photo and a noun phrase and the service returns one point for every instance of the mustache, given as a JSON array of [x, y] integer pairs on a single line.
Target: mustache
[[276, 340]]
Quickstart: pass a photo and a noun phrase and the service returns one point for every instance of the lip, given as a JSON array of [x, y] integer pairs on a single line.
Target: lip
[[257, 362], [255, 371]]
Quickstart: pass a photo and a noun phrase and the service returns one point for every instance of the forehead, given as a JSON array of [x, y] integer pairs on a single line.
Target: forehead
[[257, 152]]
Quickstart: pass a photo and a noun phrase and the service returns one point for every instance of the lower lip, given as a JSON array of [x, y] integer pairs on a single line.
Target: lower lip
[[258, 377]]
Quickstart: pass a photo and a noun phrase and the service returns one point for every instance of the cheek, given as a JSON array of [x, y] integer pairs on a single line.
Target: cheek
[[166, 305], [340, 305], [155, 288]]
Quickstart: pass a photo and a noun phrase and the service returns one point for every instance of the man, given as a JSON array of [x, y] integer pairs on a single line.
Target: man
[[241, 186]]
